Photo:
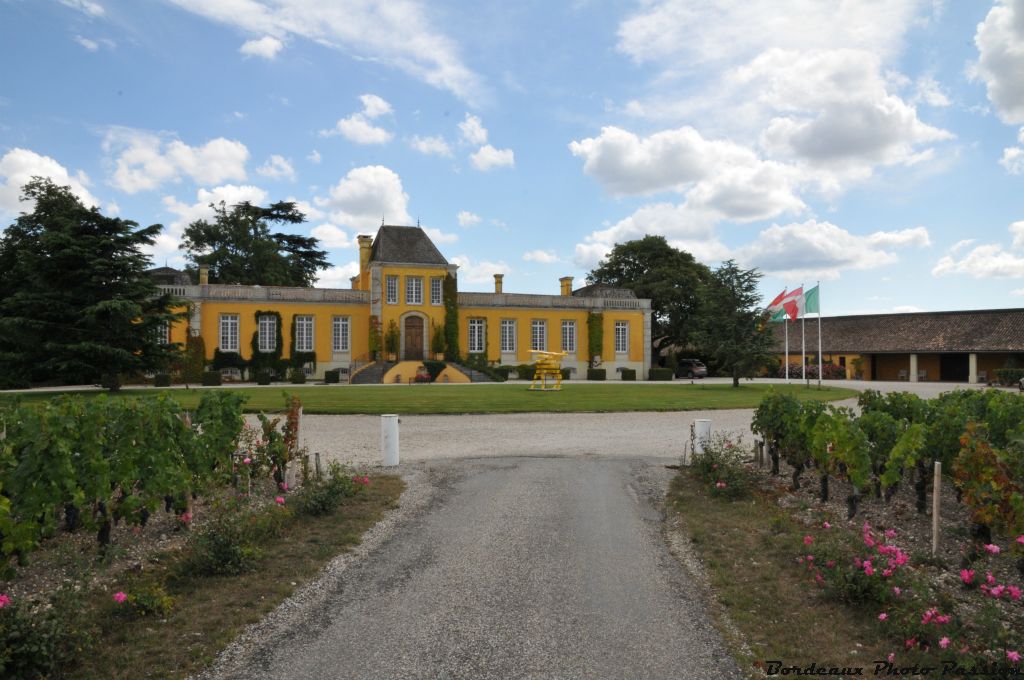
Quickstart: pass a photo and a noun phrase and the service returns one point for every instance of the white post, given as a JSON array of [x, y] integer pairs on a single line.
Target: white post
[[389, 439], [913, 368], [818, 286], [936, 495], [785, 324], [702, 435], [972, 368]]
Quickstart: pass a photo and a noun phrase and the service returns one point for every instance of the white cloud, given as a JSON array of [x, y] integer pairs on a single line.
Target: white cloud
[[311, 212], [717, 175], [472, 130], [467, 219], [90, 45], [541, 256], [487, 158], [144, 160], [337, 276], [906, 309], [166, 246], [929, 91], [365, 196], [1000, 43], [314, 157], [983, 262], [687, 228], [277, 167], [814, 249], [1013, 160], [358, 128], [438, 236], [1017, 292], [960, 245], [917, 236], [1017, 231], [435, 146], [266, 47], [18, 166], [93, 9], [478, 272], [679, 31], [398, 33], [332, 236], [112, 208]]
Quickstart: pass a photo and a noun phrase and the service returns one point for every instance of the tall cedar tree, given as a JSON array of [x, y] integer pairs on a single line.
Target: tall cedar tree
[[76, 304], [733, 330], [240, 248], [671, 278]]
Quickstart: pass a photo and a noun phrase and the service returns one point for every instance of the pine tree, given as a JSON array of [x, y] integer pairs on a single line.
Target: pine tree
[[76, 304]]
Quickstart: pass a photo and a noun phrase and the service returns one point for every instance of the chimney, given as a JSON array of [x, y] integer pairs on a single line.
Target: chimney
[[204, 274], [497, 282], [566, 282], [354, 280], [365, 244]]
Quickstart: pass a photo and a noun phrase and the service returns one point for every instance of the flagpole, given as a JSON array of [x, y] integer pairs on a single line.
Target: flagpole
[[818, 286], [803, 338], [785, 325]]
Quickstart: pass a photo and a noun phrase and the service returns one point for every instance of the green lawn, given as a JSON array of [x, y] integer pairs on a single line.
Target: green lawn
[[497, 398]]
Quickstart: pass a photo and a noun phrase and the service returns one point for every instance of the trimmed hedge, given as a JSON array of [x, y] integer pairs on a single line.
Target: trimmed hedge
[[525, 371], [660, 374], [629, 374], [596, 374], [1009, 376], [162, 380], [297, 376], [332, 377], [434, 368], [566, 372], [504, 371], [264, 377], [211, 378]]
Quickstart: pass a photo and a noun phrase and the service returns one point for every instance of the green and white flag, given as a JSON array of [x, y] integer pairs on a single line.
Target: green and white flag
[[811, 301]]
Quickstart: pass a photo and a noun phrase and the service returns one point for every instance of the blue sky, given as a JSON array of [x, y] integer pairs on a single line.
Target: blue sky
[[876, 146]]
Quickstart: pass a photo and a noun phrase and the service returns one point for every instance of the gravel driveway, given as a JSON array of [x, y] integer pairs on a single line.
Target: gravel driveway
[[502, 568]]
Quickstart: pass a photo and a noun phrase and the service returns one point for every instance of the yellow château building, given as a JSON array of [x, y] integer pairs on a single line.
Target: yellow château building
[[401, 285]]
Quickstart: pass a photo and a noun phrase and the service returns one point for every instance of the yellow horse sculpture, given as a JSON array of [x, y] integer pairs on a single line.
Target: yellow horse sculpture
[[547, 365]]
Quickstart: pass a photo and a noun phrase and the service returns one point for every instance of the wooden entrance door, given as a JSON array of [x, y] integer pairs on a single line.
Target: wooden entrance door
[[413, 338]]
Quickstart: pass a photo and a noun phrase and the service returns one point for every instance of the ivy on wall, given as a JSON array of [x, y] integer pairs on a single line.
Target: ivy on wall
[[450, 291], [595, 336], [267, 361]]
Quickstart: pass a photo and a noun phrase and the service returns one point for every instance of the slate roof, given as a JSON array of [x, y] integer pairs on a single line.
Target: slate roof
[[983, 330], [169, 276], [601, 290], [406, 245]]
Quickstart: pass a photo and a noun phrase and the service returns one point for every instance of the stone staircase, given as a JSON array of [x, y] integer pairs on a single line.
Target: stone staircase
[[472, 374], [371, 374]]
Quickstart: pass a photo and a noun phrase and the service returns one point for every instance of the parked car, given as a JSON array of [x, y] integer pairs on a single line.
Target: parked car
[[691, 368]]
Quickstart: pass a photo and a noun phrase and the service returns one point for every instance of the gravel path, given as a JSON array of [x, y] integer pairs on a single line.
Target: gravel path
[[505, 568]]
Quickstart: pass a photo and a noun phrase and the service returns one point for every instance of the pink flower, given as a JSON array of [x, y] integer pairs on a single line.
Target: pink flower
[[909, 643], [830, 564], [1020, 539], [992, 549], [120, 597], [810, 558], [826, 525], [890, 533], [1014, 592], [967, 576], [997, 592], [887, 573], [891, 657], [5, 600], [366, 481], [883, 616], [989, 578], [284, 486], [869, 541], [800, 560], [279, 500], [944, 642], [247, 460], [719, 485], [868, 569], [818, 579], [1013, 656], [896, 591], [808, 540], [186, 517]]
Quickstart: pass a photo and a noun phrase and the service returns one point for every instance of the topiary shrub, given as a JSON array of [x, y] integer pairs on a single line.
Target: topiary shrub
[[297, 376], [504, 371], [434, 368], [629, 374], [162, 380], [660, 374], [211, 379], [566, 373], [596, 374], [264, 377], [333, 376]]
